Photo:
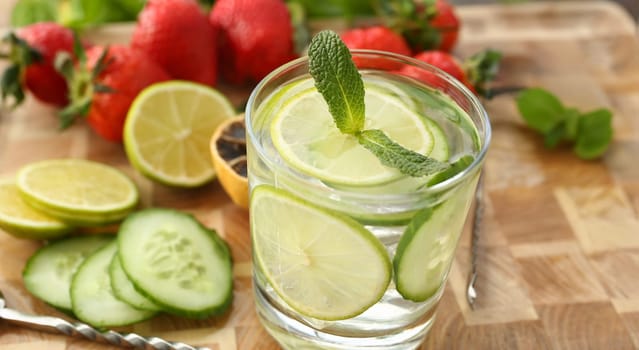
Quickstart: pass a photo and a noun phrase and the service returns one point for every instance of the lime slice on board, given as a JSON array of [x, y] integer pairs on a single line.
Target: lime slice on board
[[323, 264], [77, 191], [168, 129], [306, 137], [21, 220]]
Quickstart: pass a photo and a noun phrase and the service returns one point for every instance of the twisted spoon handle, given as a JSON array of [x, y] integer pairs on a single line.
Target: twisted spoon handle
[[471, 292], [83, 331]]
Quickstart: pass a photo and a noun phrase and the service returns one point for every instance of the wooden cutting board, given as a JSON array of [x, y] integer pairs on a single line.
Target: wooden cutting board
[[559, 255]]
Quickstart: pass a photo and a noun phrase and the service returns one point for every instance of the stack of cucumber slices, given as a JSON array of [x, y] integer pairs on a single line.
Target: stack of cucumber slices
[[161, 260]]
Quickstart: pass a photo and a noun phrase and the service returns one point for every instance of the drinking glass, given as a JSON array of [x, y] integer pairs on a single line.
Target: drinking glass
[[417, 221]]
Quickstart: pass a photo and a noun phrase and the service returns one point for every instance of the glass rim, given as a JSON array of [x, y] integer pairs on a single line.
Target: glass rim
[[445, 185]]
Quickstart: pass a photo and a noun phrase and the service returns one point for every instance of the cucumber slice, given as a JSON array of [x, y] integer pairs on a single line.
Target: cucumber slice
[[48, 272], [176, 262], [92, 297], [124, 290], [425, 250]]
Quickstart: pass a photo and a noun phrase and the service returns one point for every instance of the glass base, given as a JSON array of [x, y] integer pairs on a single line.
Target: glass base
[[294, 335]]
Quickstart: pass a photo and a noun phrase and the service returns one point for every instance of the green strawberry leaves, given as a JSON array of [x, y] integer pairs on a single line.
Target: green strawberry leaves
[[337, 79], [20, 55], [590, 133]]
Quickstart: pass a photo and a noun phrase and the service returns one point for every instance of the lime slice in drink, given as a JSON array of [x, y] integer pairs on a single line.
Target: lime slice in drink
[[306, 137], [168, 129], [322, 264], [76, 191], [20, 220]]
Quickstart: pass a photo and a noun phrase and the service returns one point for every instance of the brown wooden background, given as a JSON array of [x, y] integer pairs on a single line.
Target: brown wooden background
[[559, 257]]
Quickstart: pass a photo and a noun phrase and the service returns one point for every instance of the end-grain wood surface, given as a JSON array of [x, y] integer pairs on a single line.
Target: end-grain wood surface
[[559, 256]]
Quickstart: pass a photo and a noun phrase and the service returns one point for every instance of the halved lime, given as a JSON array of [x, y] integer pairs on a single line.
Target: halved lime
[[21, 220], [168, 129], [76, 191], [323, 264], [305, 135]]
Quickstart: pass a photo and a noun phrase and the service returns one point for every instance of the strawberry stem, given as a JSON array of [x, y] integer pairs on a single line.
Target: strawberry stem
[[481, 68]]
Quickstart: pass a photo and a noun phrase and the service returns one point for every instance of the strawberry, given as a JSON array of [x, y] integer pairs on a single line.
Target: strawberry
[[474, 72], [254, 37], [104, 84], [444, 61], [375, 38], [447, 24], [178, 35], [32, 53], [425, 24]]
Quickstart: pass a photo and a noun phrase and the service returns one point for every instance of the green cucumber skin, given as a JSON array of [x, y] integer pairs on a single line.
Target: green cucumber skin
[[411, 231], [90, 242], [101, 256], [220, 246], [114, 271]]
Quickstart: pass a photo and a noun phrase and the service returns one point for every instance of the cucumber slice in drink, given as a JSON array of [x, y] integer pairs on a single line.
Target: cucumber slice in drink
[[322, 264], [49, 271], [176, 262], [124, 290], [425, 250], [92, 297]]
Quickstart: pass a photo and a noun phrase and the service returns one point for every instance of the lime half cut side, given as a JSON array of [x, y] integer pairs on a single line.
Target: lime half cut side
[[305, 135], [324, 265], [77, 191], [21, 220], [168, 129]]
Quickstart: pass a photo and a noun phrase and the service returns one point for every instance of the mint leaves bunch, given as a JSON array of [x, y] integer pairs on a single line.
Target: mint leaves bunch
[[589, 133], [337, 79]]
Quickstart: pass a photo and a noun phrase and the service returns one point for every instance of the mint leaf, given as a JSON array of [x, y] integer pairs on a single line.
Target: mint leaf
[[594, 134], [571, 121], [394, 155], [591, 133], [338, 80], [541, 110], [555, 135]]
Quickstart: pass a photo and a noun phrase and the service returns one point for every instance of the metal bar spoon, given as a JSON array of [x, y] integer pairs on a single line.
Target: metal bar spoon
[[84, 331], [471, 292]]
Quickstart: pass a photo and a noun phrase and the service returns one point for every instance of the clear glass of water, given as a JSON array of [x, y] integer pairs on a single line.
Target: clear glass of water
[[347, 253]]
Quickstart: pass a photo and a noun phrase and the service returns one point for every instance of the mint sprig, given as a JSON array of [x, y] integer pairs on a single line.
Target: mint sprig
[[337, 79], [590, 133], [394, 155]]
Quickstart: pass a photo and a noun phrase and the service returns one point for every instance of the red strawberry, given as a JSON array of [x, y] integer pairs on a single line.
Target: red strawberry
[[178, 35], [424, 25], [33, 51], [441, 60], [447, 24], [444, 61], [475, 72], [103, 87], [254, 37], [375, 38]]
